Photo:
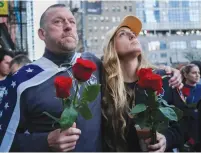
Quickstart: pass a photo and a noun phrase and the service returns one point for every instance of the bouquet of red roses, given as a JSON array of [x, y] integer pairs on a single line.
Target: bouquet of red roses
[[155, 112], [82, 71]]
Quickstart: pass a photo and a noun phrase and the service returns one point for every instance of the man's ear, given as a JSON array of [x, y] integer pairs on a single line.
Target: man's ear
[[41, 34]]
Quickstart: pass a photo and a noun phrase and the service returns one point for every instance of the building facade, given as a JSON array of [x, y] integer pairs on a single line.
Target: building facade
[[170, 29], [101, 16], [18, 22]]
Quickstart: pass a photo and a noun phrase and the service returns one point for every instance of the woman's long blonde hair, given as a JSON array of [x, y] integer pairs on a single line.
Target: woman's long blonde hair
[[115, 102]]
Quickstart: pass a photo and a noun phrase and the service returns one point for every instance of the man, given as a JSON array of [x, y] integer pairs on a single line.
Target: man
[[5, 59], [18, 62], [58, 31], [36, 95]]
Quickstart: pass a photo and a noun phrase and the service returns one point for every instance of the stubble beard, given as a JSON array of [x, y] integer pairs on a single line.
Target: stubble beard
[[65, 45]]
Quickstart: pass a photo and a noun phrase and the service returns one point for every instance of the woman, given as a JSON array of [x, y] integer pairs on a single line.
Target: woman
[[122, 58], [191, 90]]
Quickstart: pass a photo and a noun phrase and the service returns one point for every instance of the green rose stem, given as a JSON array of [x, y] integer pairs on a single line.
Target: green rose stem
[[153, 98], [153, 135], [75, 96]]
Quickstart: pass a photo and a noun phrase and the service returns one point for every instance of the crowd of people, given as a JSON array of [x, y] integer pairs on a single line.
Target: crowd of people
[[27, 128]]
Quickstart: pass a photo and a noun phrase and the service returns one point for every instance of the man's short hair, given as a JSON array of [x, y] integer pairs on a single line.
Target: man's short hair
[[42, 19], [4, 52], [20, 60]]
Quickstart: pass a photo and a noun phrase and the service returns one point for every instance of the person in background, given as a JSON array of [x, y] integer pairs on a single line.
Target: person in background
[[123, 57], [5, 59], [198, 63], [192, 92], [18, 62]]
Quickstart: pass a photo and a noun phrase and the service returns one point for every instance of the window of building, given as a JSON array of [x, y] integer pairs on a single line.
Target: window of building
[[95, 28], [174, 15], [113, 9], [194, 15], [185, 3], [89, 18], [153, 56], [118, 9], [185, 15], [174, 4], [102, 18], [195, 44], [163, 45], [107, 28], [118, 19], [94, 18], [102, 37], [90, 29], [106, 9], [130, 9], [102, 27], [178, 45], [157, 15], [125, 8], [153, 45], [113, 19], [106, 18], [163, 55], [95, 39]]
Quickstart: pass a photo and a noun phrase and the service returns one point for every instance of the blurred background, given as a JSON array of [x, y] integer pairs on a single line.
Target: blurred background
[[171, 33]]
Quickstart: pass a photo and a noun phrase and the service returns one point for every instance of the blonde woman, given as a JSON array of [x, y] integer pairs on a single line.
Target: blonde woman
[[122, 58]]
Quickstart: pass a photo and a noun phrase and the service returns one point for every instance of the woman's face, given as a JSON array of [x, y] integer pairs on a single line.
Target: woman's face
[[126, 43], [194, 75]]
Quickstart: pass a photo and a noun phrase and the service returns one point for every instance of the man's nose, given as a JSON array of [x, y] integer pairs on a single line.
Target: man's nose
[[67, 26]]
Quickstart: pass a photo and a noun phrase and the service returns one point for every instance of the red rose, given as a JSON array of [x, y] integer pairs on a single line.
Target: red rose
[[142, 72], [191, 141], [83, 69], [186, 91], [63, 85], [149, 80]]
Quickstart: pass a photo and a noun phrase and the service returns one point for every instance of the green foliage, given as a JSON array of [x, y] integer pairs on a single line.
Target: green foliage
[[155, 113], [90, 93], [72, 106], [84, 110], [138, 108], [68, 117]]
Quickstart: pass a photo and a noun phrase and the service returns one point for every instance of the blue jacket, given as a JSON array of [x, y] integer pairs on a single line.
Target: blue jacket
[[191, 127], [40, 98]]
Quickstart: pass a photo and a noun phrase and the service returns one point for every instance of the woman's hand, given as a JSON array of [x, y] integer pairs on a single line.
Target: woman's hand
[[160, 146]]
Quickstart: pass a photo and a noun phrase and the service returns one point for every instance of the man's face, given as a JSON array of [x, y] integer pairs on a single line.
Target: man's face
[[5, 65], [60, 32]]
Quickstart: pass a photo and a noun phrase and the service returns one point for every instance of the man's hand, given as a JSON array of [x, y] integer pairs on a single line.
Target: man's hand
[[176, 79], [63, 140], [160, 146]]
